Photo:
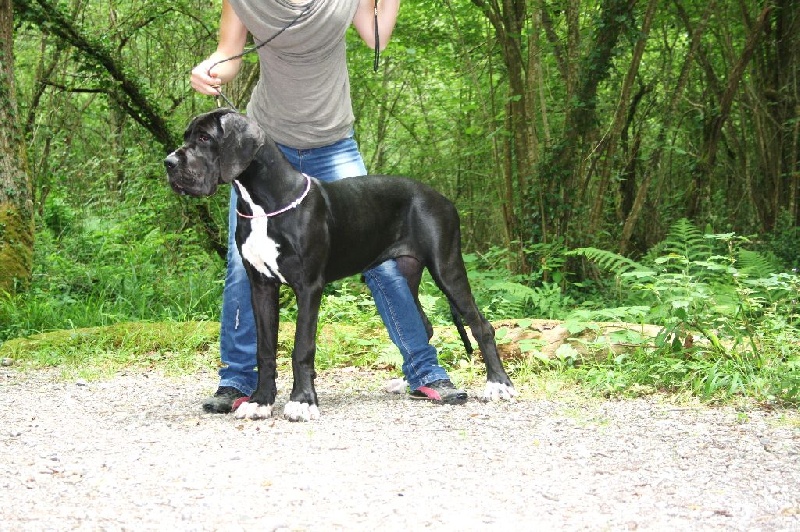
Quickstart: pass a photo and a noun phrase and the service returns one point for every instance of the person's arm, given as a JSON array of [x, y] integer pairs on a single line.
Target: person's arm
[[232, 38], [364, 20]]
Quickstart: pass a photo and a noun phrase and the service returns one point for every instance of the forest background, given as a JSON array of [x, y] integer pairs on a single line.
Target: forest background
[[612, 160]]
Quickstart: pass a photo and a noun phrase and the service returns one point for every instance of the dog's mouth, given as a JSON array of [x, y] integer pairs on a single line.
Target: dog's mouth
[[191, 189], [178, 189]]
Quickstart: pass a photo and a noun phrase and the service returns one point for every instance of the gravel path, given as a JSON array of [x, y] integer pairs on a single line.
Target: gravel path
[[135, 452]]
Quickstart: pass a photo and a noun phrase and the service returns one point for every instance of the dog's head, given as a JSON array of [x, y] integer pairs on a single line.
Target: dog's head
[[217, 147]]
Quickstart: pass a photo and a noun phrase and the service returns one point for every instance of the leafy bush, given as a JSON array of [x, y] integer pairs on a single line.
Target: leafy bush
[[729, 319], [784, 242], [104, 271], [728, 314]]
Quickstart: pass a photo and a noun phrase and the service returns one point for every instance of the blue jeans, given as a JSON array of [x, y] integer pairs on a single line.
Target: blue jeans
[[393, 298]]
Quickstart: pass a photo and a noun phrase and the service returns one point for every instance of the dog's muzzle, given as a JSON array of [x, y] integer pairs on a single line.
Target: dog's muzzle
[[172, 163]]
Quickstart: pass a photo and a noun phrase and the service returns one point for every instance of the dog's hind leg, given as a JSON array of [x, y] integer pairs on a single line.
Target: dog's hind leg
[[450, 274]]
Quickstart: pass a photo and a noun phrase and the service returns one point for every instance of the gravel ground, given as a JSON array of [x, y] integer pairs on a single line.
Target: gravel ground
[[136, 452]]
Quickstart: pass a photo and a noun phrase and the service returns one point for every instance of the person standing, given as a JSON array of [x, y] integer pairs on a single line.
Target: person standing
[[302, 100]]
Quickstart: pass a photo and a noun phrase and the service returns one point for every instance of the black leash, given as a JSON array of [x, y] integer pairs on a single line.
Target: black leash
[[259, 45], [377, 59]]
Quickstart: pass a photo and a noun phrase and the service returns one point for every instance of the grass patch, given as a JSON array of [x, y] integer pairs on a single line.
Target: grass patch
[[94, 352], [714, 378], [178, 348]]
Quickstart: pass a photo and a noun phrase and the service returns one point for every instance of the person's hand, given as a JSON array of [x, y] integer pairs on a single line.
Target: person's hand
[[206, 82]]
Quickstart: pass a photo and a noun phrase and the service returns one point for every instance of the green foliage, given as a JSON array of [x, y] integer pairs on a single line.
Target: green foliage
[[721, 307], [97, 351], [59, 217], [609, 261], [501, 294], [100, 271], [682, 240], [115, 245], [784, 241]]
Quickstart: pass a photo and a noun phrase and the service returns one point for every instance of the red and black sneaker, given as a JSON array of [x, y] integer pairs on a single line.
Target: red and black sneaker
[[441, 391], [222, 401]]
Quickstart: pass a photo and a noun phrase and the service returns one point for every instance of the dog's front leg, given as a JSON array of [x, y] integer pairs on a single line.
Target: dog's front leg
[[302, 405], [264, 295]]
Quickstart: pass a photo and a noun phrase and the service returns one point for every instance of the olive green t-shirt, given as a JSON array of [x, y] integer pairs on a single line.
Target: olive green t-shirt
[[302, 98]]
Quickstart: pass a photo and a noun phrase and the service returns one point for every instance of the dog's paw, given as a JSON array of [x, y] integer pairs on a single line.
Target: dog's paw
[[253, 411], [294, 411], [497, 391]]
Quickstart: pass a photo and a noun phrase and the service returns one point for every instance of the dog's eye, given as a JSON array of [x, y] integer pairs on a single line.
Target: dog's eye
[[203, 137]]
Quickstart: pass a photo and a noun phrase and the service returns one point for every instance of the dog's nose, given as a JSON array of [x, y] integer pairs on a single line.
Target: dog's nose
[[171, 161]]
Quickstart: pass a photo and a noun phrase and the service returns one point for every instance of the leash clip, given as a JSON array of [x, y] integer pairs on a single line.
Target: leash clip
[[221, 96]]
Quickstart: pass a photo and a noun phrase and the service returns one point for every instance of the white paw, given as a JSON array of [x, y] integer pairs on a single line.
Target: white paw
[[496, 391], [395, 386], [253, 411], [294, 411]]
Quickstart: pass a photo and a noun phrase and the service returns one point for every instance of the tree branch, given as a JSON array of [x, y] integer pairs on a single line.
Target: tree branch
[[121, 87]]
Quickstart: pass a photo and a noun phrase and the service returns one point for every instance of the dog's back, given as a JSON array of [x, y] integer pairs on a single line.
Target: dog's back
[[379, 217]]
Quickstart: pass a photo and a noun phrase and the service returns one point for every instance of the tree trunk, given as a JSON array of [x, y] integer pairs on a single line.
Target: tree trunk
[[698, 190], [16, 207], [622, 116], [654, 165], [565, 162], [774, 104], [509, 19]]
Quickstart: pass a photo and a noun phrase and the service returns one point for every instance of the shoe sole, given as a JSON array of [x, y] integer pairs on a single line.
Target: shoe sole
[[454, 399]]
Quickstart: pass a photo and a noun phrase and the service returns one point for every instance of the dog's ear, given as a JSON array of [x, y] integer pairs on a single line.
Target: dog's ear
[[241, 139]]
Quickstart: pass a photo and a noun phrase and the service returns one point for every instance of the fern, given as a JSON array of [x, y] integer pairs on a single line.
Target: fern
[[754, 264], [684, 241], [508, 298], [609, 261]]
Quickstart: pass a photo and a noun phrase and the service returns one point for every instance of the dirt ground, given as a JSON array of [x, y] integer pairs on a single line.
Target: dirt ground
[[135, 452]]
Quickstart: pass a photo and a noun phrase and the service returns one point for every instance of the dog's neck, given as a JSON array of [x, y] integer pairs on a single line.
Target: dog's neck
[[271, 180]]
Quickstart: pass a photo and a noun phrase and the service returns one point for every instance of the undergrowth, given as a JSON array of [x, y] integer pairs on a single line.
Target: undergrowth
[[726, 315], [729, 320]]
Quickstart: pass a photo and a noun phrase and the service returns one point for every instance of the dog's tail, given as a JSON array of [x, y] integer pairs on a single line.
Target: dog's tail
[[462, 332]]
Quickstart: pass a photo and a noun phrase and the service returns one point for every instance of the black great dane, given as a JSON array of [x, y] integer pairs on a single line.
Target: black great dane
[[296, 230]]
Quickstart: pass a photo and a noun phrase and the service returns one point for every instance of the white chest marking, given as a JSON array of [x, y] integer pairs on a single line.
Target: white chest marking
[[259, 249]]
